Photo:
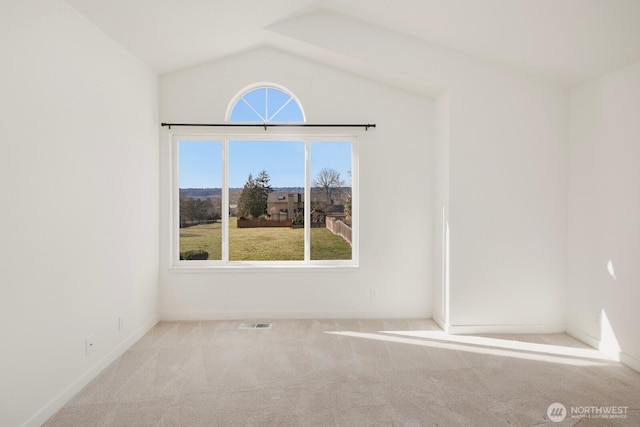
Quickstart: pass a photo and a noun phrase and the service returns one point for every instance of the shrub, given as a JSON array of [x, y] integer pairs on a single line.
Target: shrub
[[194, 255]]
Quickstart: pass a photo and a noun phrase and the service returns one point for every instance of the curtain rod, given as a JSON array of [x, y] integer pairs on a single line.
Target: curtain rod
[[266, 125]]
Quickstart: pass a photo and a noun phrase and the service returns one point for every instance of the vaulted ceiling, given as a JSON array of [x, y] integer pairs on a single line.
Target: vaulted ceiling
[[564, 41]]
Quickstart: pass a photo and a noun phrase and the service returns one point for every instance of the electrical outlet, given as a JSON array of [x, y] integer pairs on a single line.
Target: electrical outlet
[[89, 344], [121, 323], [373, 294]]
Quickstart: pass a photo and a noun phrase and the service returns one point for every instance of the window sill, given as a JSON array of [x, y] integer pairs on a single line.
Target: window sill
[[252, 267]]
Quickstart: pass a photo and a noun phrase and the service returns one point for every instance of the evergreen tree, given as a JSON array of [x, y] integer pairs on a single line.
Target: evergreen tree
[[263, 188], [253, 198], [243, 200]]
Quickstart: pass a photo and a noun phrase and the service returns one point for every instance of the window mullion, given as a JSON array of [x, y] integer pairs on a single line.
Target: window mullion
[[266, 104], [355, 199], [175, 205], [307, 201], [254, 110], [225, 200], [279, 109]]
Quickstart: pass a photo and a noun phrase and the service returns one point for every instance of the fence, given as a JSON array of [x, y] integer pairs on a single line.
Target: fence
[[255, 223], [340, 228]]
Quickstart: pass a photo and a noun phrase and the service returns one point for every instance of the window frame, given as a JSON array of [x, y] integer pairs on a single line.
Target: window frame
[[229, 135], [245, 90]]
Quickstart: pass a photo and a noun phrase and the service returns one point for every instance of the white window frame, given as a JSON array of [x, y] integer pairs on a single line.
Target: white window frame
[[253, 86], [203, 265]]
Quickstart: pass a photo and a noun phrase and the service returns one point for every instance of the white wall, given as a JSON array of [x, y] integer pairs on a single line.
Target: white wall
[[506, 173], [79, 221], [604, 208], [508, 203], [396, 181]]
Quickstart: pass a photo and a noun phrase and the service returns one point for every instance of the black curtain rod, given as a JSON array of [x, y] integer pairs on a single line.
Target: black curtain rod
[[268, 125]]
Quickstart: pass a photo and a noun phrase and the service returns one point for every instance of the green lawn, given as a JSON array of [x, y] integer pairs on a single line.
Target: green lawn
[[206, 237], [326, 245], [263, 244]]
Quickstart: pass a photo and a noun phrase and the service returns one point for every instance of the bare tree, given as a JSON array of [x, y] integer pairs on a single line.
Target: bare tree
[[194, 209], [329, 179]]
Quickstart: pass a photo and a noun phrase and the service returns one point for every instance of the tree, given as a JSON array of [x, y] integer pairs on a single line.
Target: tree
[[348, 202], [253, 198], [264, 188], [262, 182], [243, 199], [195, 209], [329, 179], [347, 205]]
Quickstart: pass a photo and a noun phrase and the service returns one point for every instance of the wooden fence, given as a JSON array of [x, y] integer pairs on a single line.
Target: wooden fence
[[340, 228], [256, 223]]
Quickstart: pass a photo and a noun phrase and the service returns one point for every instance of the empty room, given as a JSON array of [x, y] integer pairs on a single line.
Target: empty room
[[320, 212]]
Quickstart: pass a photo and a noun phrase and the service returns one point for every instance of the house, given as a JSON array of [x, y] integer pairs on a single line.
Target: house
[[283, 205], [508, 128]]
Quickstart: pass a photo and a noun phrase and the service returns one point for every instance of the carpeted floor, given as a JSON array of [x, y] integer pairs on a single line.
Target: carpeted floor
[[351, 373]]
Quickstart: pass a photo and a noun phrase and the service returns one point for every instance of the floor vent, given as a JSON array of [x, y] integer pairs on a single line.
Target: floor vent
[[255, 326]]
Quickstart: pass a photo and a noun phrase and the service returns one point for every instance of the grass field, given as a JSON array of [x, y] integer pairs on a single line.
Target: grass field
[[263, 244]]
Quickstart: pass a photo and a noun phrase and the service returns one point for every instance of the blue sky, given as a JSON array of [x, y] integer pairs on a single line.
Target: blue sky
[[201, 162], [266, 104]]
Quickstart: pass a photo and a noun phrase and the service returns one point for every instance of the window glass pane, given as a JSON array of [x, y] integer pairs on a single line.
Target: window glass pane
[[200, 208], [266, 104], [331, 219], [243, 113], [257, 98], [289, 113], [276, 99], [266, 196]]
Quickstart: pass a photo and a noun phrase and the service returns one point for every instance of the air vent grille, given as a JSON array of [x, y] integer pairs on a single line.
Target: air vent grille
[[255, 326]]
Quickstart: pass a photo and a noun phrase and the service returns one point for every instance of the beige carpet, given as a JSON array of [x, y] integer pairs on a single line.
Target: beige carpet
[[349, 373]]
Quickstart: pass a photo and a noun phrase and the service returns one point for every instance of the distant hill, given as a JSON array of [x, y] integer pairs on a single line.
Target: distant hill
[[198, 193], [234, 193]]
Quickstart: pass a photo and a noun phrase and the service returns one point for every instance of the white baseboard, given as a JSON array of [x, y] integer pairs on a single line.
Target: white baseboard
[[447, 328], [267, 315], [584, 337], [623, 357], [441, 323], [59, 401], [551, 328], [630, 361]]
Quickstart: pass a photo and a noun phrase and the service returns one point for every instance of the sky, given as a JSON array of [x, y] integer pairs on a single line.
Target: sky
[[200, 162]]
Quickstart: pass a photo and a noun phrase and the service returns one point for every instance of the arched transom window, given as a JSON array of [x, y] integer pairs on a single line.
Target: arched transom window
[[265, 103]]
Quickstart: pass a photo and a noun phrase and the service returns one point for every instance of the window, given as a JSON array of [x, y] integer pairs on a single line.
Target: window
[[248, 198], [265, 104]]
